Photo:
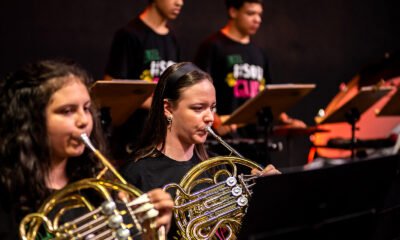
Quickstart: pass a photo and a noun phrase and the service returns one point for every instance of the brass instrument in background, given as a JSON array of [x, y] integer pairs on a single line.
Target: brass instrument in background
[[113, 218], [208, 204]]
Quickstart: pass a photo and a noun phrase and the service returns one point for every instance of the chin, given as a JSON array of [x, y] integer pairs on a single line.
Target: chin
[[252, 33], [200, 140], [173, 16], [76, 152]]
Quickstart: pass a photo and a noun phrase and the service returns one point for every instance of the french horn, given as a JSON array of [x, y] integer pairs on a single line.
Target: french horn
[[114, 210], [213, 196]]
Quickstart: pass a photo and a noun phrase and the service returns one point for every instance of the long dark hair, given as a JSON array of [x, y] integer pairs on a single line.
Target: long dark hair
[[24, 147], [170, 86]]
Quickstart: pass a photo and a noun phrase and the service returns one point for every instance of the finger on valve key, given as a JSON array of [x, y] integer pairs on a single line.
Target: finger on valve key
[[268, 170], [162, 202]]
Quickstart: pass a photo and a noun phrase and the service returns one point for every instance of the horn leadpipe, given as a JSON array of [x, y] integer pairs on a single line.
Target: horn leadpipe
[[225, 144], [85, 139], [161, 232]]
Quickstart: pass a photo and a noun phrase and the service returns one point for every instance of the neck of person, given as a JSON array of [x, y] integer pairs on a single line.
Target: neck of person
[[232, 32], [177, 150], [153, 19], [57, 177]]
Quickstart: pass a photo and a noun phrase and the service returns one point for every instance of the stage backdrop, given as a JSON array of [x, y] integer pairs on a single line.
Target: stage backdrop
[[308, 41]]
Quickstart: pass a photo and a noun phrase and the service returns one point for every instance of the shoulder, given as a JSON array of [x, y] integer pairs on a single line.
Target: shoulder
[[214, 39], [134, 171], [132, 165], [133, 29], [142, 163], [135, 25], [208, 49]]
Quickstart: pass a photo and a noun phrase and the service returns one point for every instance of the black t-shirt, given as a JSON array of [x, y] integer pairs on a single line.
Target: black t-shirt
[[137, 52], [239, 70], [156, 172]]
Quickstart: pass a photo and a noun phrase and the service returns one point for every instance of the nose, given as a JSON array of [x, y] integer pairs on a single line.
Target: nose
[[179, 3], [82, 119], [209, 117], [258, 19]]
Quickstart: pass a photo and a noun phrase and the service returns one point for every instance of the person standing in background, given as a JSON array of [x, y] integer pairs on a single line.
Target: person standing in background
[[142, 50], [239, 67], [146, 46]]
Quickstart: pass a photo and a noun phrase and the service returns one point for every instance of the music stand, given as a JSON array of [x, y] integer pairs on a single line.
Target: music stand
[[354, 200], [392, 107], [270, 102], [351, 111], [278, 97], [121, 97]]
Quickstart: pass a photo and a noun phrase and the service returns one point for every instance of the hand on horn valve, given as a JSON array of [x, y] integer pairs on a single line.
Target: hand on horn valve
[[268, 170], [162, 202]]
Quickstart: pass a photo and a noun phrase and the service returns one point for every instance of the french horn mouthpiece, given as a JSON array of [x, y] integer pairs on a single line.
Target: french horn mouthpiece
[[85, 139]]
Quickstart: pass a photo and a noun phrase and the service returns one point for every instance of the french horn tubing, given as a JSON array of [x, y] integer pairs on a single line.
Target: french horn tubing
[[207, 205], [107, 210]]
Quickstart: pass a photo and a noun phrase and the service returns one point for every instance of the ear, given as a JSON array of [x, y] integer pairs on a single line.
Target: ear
[[232, 12], [167, 108]]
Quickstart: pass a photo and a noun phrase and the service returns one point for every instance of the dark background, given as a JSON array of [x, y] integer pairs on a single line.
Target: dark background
[[308, 41]]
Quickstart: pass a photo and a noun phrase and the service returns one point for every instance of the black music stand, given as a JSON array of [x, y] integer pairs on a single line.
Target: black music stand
[[392, 107], [354, 200], [276, 97], [272, 101], [121, 97], [352, 110]]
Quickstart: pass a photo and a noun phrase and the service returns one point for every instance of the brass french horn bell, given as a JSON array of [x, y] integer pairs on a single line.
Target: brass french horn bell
[[212, 197]]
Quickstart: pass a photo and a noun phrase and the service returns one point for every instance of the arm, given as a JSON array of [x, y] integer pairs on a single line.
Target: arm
[[291, 122]]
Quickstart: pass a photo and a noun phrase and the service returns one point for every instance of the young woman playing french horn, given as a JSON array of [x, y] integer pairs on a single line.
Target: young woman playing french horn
[[173, 140], [45, 107]]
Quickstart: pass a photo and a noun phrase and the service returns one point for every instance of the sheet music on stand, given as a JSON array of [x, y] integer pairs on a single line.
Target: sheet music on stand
[[362, 101], [122, 97], [278, 97], [392, 107]]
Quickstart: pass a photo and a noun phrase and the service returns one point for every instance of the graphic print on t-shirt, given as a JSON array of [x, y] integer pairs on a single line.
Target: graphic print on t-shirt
[[155, 67], [245, 79]]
